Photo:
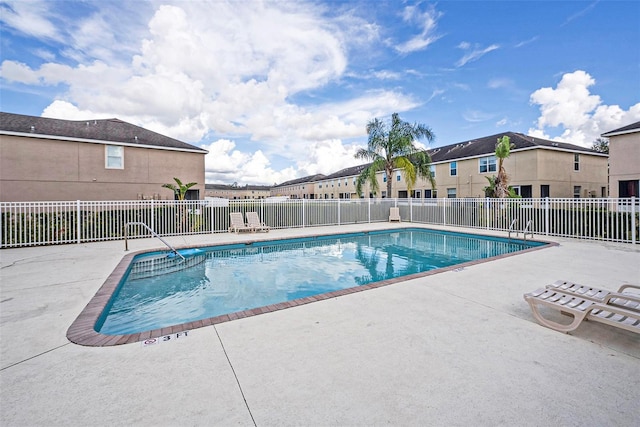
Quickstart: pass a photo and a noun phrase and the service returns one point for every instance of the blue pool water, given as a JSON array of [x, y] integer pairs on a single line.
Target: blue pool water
[[160, 291]]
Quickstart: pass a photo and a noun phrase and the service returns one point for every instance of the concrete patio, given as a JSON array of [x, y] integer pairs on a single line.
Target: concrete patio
[[456, 348]]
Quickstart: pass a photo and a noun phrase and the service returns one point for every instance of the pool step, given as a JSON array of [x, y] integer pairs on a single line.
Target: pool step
[[163, 264]]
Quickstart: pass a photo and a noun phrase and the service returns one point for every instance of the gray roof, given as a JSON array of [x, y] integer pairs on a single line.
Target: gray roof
[[633, 127], [237, 187], [303, 180], [487, 146], [351, 171], [105, 130]]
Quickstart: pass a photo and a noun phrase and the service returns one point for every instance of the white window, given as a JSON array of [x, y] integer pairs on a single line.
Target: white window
[[451, 193], [453, 168], [114, 157], [488, 164], [398, 176], [384, 177], [433, 170], [576, 162]]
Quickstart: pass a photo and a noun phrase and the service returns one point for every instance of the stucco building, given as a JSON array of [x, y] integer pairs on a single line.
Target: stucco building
[[299, 188], [44, 159], [233, 192], [624, 161]]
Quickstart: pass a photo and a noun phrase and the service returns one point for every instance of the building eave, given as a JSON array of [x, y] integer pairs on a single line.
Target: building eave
[[97, 141]]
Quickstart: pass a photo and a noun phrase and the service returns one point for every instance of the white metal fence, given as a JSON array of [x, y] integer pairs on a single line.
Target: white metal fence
[[47, 223]]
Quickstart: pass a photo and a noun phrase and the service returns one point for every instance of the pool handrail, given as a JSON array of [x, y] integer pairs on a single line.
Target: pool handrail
[[126, 235]]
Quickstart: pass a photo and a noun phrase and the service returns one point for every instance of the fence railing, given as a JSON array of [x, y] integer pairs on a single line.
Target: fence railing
[[47, 223]]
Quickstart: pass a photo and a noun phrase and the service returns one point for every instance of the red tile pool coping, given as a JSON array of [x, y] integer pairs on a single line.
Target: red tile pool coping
[[82, 330]]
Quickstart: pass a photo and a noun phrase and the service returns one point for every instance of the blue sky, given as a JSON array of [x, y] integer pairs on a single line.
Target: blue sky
[[277, 90]]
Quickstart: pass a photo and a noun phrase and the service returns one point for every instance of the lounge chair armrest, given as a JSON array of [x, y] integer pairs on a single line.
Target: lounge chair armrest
[[628, 286]]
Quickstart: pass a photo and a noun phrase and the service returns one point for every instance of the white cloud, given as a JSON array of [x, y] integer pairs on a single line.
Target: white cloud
[[475, 54], [580, 115], [227, 69], [32, 18], [427, 21]]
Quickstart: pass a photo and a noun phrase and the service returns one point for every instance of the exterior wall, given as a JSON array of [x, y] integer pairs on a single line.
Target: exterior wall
[[38, 169], [624, 160], [556, 169], [237, 193], [336, 188], [305, 190]]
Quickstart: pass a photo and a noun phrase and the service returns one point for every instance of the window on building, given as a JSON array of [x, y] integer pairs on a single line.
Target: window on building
[[453, 168], [427, 194], [576, 162], [544, 191], [576, 191], [526, 191], [384, 177], [384, 194], [451, 193], [432, 168], [114, 157], [628, 188], [488, 164], [603, 191], [398, 175], [417, 194]]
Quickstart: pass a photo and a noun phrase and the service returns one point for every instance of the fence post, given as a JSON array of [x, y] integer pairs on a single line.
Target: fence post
[[152, 220], [338, 210], [546, 216], [633, 221], [444, 211], [486, 208], [303, 215], [410, 209], [369, 209], [78, 224]]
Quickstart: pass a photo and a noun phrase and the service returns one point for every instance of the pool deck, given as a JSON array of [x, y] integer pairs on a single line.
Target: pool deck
[[456, 348]]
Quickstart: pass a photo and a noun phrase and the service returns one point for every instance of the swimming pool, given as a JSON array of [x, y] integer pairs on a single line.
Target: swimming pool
[[157, 294]]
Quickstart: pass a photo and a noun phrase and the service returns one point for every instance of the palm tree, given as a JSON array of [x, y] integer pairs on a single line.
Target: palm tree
[[179, 190], [390, 146], [503, 150]]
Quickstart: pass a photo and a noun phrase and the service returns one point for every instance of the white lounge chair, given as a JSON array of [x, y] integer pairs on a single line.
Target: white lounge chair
[[581, 308], [237, 223], [394, 215], [618, 298], [253, 220]]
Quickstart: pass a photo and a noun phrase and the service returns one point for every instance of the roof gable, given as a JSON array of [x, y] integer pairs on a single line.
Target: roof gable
[[632, 128], [104, 130]]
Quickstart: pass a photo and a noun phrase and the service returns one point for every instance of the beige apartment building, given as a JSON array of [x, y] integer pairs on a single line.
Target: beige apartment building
[[536, 168], [43, 159], [300, 188], [624, 161], [234, 192]]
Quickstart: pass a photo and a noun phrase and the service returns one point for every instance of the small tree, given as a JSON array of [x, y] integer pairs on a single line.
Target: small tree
[[179, 190], [601, 145], [499, 185]]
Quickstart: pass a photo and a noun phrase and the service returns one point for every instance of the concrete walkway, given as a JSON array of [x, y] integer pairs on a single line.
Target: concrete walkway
[[457, 348]]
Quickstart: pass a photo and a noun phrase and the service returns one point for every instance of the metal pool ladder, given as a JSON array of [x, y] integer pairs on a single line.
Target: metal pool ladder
[[126, 235], [527, 229]]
